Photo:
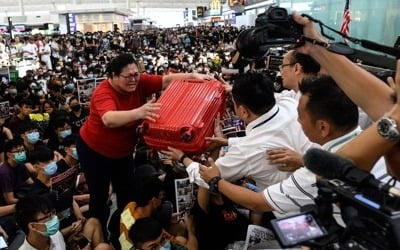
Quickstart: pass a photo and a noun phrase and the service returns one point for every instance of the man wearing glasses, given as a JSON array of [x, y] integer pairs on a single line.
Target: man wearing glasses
[[294, 68], [36, 217], [108, 137], [13, 174]]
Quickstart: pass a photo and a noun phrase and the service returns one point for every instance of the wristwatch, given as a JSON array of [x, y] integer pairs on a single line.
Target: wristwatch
[[213, 183], [182, 158], [388, 129]]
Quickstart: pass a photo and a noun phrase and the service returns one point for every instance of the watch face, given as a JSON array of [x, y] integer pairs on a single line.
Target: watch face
[[384, 126]]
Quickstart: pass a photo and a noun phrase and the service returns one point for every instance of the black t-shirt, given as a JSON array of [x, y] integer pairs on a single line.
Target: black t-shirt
[[221, 226], [77, 121]]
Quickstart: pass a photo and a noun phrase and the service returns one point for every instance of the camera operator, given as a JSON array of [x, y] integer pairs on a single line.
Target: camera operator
[[367, 91]]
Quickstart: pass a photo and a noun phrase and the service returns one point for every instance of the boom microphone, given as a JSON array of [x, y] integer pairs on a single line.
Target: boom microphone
[[332, 166]]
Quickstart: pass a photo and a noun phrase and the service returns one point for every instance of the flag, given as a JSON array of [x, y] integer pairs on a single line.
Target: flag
[[345, 28]]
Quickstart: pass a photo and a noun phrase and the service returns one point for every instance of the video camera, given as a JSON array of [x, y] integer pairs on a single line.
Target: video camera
[[369, 208], [273, 28]]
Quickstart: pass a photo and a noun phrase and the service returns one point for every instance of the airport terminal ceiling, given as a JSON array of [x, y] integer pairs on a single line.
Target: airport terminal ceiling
[[14, 5]]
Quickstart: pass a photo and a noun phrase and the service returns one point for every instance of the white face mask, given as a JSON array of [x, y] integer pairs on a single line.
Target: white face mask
[[167, 246]]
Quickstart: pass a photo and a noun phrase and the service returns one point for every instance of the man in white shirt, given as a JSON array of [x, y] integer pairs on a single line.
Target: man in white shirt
[[294, 68], [270, 124], [328, 117]]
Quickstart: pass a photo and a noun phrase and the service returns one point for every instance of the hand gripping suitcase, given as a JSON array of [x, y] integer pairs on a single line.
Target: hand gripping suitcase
[[187, 114]]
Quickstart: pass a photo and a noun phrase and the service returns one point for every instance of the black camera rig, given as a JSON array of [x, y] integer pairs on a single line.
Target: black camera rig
[[372, 217]]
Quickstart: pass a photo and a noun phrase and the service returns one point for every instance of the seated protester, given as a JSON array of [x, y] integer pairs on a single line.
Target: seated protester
[[69, 175], [42, 158], [147, 233], [25, 108], [77, 115], [31, 138], [35, 215], [24, 91], [213, 214], [61, 129], [54, 113], [5, 134], [144, 204], [14, 177]]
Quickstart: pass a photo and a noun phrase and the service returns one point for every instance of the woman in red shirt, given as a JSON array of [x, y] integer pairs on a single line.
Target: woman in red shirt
[[108, 137]]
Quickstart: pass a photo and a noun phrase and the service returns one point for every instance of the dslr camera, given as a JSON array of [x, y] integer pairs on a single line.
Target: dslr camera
[[273, 28]]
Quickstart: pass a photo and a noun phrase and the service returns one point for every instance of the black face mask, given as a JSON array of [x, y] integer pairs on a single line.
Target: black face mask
[[76, 107]]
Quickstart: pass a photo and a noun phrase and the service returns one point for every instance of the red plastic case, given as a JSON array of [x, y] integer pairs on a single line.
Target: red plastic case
[[187, 114]]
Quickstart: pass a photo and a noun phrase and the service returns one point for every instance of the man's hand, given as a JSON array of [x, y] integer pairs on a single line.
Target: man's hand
[[149, 110], [290, 160], [173, 153], [207, 173], [308, 31]]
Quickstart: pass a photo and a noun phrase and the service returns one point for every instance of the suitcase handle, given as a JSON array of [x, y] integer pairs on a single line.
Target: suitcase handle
[[187, 134], [195, 80]]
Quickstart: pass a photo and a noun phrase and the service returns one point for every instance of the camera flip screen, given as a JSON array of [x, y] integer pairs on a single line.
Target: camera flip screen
[[297, 229]]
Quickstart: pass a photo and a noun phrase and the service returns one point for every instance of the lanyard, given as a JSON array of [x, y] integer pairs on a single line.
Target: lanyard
[[267, 120]]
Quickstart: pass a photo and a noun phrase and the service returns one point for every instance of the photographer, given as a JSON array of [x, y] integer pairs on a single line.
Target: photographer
[[367, 91]]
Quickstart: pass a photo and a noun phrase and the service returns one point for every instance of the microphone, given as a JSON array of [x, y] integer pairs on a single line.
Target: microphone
[[333, 166]]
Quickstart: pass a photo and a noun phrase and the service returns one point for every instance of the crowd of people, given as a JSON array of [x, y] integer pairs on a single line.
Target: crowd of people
[[63, 161]]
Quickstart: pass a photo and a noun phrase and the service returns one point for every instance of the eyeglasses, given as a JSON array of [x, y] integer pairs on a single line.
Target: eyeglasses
[[19, 150], [284, 65], [128, 77], [49, 215]]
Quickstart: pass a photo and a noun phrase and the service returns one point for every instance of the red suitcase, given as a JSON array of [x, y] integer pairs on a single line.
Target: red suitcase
[[187, 115]]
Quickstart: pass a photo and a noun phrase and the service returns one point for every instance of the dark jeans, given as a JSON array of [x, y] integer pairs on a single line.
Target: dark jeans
[[99, 172]]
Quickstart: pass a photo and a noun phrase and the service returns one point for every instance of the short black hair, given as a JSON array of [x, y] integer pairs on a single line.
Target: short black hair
[[12, 144], [41, 153], [328, 101], [255, 90], [69, 140], [60, 122], [26, 126], [28, 207], [118, 63], [309, 64], [144, 230], [25, 101], [146, 189]]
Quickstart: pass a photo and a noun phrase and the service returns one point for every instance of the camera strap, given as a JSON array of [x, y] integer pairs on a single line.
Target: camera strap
[[344, 49]]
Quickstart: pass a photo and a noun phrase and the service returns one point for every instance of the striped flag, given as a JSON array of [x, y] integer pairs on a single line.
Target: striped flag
[[346, 19]]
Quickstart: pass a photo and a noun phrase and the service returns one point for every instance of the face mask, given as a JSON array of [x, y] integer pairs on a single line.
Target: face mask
[[58, 68], [52, 226], [75, 154], [90, 75], [20, 157], [76, 107], [33, 137], [65, 133], [12, 91], [84, 69], [70, 86], [167, 246], [50, 168]]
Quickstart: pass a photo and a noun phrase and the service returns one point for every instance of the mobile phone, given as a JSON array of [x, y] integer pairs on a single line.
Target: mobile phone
[[3, 243], [296, 229]]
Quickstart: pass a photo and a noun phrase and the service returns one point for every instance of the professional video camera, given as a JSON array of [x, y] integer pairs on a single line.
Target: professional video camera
[[370, 209], [274, 28]]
